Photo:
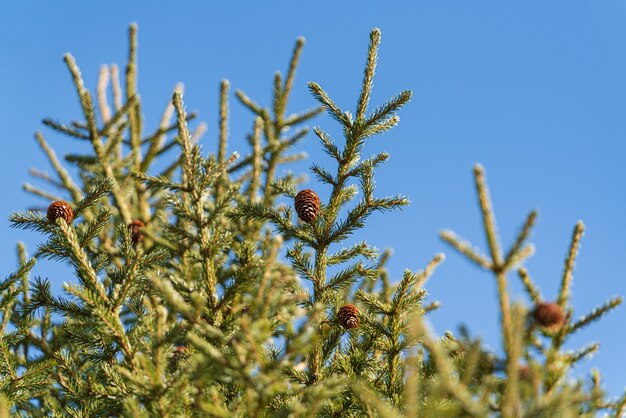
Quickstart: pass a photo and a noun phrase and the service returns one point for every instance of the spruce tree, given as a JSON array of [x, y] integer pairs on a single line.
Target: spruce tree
[[211, 284]]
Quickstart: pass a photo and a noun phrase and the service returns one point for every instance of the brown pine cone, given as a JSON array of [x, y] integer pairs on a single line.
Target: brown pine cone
[[135, 231], [60, 209], [348, 316], [549, 315], [307, 204]]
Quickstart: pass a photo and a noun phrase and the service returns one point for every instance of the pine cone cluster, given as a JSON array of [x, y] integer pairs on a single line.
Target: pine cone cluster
[[60, 209], [307, 205], [549, 315], [348, 316], [135, 231]]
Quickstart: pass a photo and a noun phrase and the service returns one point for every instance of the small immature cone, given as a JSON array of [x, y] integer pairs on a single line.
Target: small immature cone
[[135, 231], [549, 315], [60, 209], [524, 372], [307, 205], [180, 353], [348, 316]]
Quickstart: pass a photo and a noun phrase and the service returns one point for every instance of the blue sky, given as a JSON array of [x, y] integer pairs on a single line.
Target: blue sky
[[535, 91]]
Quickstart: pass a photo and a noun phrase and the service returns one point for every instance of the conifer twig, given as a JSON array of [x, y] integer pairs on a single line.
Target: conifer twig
[[568, 270], [489, 222]]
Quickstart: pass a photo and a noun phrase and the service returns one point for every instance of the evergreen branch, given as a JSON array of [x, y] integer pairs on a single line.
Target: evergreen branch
[[284, 187], [41, 297], [522, 236], [424, 275], [329, 146], [465, 248], [384, 126], [446, 371], [94, 227], [595, 314], [368, 75], [346, 277], [620, 407], [157, 138], [286, 159], [568, 270], [223, 121], [21, 273], [87, 106], [323, 175], [43, 175], [582, 353], [329, 105], [255, 181], [489, 222], [97, 191], [31, 221], [372, 303], [300, 261], [164, 128], [277, 93], [291, 72], [183, 137], [356, 217], [134, 112], [117, 116], [373, 401], [29, 188], [64, 129], [519, 256], [530, 286], [260, 212], [249, 103], [360, 249], [299, 118], [160, 182], [431, 307], [115, 87], [103, 82], [64, 176], [383, 112], [83, 267], [371, 163]]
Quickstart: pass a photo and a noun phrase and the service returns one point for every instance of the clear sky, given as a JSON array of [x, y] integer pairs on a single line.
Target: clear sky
[[535, 91]]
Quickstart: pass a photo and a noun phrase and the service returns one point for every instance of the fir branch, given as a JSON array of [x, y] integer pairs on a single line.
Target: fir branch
[[31, 221], [360, 249], [97, 191], [64, 129], [530, 286], [521, 238], [583, 353], [299, 118], [569, 264], [595, 314], [382, 113], [329, 146], [330, 106], [465, 248], [103, 82], [368, 75], [64, 176], [489, 222], [453, 387], [94, 227], [29, 188], [117, 116]]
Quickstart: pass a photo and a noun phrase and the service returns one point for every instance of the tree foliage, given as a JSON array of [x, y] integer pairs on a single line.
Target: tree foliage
[[224, 304]]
